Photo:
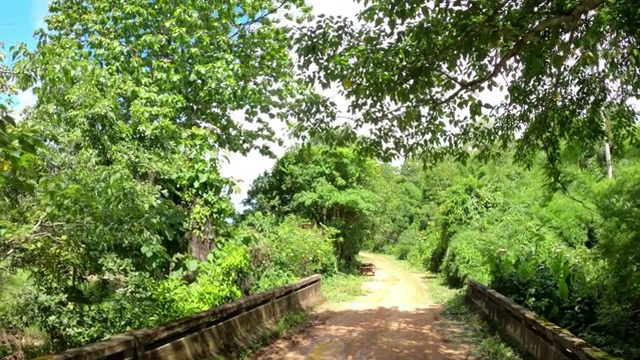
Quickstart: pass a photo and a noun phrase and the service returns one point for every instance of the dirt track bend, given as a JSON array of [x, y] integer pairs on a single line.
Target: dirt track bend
[[395, 320]]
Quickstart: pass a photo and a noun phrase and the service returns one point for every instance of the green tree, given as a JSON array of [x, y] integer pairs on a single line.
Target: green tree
[[138, 82], [17, 144], [326, 185], [402, 204], [135, 100], [414, 72], [569, 257], [133, 70]]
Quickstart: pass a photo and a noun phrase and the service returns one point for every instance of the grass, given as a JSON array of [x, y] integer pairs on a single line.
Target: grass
[[342, 287], [25, 342], [487, 342], [286, 323]]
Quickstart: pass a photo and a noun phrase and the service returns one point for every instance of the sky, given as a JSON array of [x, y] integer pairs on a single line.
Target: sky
[[20, 18]]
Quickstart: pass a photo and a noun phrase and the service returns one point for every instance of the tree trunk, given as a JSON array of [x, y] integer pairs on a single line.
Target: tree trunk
[[200, 238], [607, 147], [607, 160], [199, 247], [200, 241]]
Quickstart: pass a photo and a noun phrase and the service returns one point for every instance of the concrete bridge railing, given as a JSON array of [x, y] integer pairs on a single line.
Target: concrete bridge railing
[[207, 334], [540, 338]]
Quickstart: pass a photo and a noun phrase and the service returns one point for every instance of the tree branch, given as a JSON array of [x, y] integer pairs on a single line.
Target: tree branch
[[37, 225], [582, 8], [567, 193], [10, 72], [256, 20]]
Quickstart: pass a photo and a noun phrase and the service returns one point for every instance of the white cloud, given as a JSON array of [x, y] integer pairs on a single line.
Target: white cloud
[[26, 99], [23, 99], [245, 169]]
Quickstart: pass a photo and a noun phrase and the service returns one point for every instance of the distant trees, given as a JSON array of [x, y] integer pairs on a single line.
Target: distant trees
[[327, 185]]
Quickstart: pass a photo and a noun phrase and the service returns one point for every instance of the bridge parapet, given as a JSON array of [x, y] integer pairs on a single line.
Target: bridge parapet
[[542, 339], [207, 334]]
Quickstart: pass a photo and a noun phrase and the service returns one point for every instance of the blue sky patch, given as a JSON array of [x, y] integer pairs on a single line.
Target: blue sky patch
[[19, 19]]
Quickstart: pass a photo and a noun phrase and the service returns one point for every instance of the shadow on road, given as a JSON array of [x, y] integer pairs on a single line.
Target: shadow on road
[[428, 276], [380, 333]]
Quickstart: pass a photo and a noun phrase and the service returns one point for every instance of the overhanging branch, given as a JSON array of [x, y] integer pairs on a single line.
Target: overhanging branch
[[582, 8], [244, 25]]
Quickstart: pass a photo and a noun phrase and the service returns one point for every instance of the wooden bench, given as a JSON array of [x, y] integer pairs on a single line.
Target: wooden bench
[[367, 269]]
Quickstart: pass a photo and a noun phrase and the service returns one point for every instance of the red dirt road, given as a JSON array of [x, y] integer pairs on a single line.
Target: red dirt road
[[395, 320]]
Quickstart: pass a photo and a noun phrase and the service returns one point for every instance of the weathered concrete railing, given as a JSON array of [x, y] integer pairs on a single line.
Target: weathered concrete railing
[[206, 334], [542, 339]]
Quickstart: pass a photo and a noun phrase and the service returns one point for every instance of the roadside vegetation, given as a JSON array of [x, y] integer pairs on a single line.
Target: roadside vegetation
[[488, 344], [115, 215], [554, 253], [343, 287]]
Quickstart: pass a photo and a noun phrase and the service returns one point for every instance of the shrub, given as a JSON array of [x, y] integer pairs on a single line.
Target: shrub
[[282, 252], [551, 282], [421, 252], [465, 257], [217, 281], [70, 323], [406, 241]]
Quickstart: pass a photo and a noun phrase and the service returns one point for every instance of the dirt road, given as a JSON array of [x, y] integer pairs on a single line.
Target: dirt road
[[395, 320]]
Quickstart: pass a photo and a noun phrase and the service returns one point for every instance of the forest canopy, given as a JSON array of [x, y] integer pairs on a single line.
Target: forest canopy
[[444, 77]]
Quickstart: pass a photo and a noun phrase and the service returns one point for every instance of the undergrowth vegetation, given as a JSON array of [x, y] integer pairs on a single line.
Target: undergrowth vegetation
[[262, 253], [288, 322], [568, 256], [342, 287], [488, 343]]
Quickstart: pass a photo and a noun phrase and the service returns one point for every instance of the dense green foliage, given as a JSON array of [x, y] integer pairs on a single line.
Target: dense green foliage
[[327, 185], [414, 73], [260, 254], [570, 258], [114, 213]]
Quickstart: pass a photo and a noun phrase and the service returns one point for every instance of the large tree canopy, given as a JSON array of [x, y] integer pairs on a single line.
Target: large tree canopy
[[135, 100], [134, 70], [156, 89], [414, 71]]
